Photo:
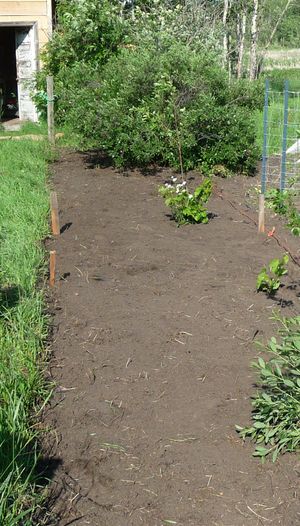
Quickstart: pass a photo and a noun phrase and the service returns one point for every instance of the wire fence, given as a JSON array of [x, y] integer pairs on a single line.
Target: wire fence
[[281, 140]]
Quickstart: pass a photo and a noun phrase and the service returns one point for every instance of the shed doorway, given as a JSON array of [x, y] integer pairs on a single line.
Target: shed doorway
[[18, 65], [8, 73]]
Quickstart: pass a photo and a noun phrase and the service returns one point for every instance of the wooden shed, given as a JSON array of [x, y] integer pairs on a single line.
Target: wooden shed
[[25, 26]]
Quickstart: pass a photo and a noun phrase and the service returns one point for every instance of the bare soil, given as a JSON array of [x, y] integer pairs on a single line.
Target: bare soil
[[154, 331]]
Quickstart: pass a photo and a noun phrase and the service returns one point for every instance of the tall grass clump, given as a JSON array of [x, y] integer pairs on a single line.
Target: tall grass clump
[[23, 323]]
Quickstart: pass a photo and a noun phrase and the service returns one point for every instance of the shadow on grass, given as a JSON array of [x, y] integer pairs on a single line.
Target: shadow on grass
[[9, 297]]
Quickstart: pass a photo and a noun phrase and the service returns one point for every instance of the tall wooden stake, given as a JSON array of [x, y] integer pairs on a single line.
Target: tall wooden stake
[[54, 214], [52, 267], [261, 214], [50, 110]]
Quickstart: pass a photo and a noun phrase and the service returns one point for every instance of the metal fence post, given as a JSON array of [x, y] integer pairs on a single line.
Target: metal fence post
[[284, 135]]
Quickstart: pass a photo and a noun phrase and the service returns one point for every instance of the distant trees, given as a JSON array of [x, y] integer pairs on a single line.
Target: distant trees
[[243, 30], [253, 26]]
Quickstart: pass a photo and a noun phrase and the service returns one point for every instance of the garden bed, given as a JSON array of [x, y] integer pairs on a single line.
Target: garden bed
[[154, 331]]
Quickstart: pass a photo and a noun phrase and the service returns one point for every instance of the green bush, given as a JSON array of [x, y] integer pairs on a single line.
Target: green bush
[[276, 405], [87, 32], [149, 89], [147, 104]]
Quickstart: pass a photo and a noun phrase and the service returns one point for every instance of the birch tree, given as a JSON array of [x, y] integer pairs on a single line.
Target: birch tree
[[225, 32], [241, 32], [254, 41]]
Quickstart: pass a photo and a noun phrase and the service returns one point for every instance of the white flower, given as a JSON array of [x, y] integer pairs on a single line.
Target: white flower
[[190, 196], [174, 179]]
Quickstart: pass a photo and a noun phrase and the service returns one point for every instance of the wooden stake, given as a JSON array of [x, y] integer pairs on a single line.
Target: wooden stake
[[261, 214], [52, 267], [50, 110], [54, 214]]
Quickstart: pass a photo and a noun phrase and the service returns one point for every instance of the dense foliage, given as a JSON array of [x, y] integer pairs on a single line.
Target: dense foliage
[[276, 407], [150, 89], [86, 33], [288, 30]]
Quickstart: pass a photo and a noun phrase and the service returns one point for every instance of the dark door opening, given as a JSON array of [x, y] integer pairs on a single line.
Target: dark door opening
[[8, 74]]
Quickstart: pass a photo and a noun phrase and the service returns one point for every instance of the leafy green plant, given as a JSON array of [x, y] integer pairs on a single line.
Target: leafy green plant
[[271, 283], [277, 200], [276, 407], [282, 202], [294, 221], [187, 207]]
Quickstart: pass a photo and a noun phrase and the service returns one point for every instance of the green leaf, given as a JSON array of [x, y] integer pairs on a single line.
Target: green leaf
[[289, 383], [261, 363], [239, 428], [285, 259], [260, 451], [259, 425], [273, 265]]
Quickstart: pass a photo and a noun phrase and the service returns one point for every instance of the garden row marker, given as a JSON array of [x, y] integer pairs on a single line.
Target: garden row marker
[[52, 267], [54, 214], [50, 110], [261, 211], [284, 136]]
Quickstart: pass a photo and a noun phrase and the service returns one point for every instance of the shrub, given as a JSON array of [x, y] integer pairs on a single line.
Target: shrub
[[150, 91], [87, 32], [276, 406], [147, 104]]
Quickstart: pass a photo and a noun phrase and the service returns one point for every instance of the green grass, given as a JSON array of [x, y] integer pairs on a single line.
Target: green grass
[[278, 76], [275, 119], [23, 323], [28, 128]]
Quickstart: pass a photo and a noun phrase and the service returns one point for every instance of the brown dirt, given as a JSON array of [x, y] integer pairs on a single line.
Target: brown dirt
[[154, 332]]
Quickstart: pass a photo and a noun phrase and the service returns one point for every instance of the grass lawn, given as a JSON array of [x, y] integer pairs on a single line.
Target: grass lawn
[[27, 128], [275, 114], [23, 323]]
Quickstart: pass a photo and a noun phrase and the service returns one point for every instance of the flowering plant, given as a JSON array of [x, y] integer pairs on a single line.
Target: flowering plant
[[187, 207]]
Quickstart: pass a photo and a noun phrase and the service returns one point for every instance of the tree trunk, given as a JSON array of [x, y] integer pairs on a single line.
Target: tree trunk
[[241, 31], [254, 39], [225, 37]]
